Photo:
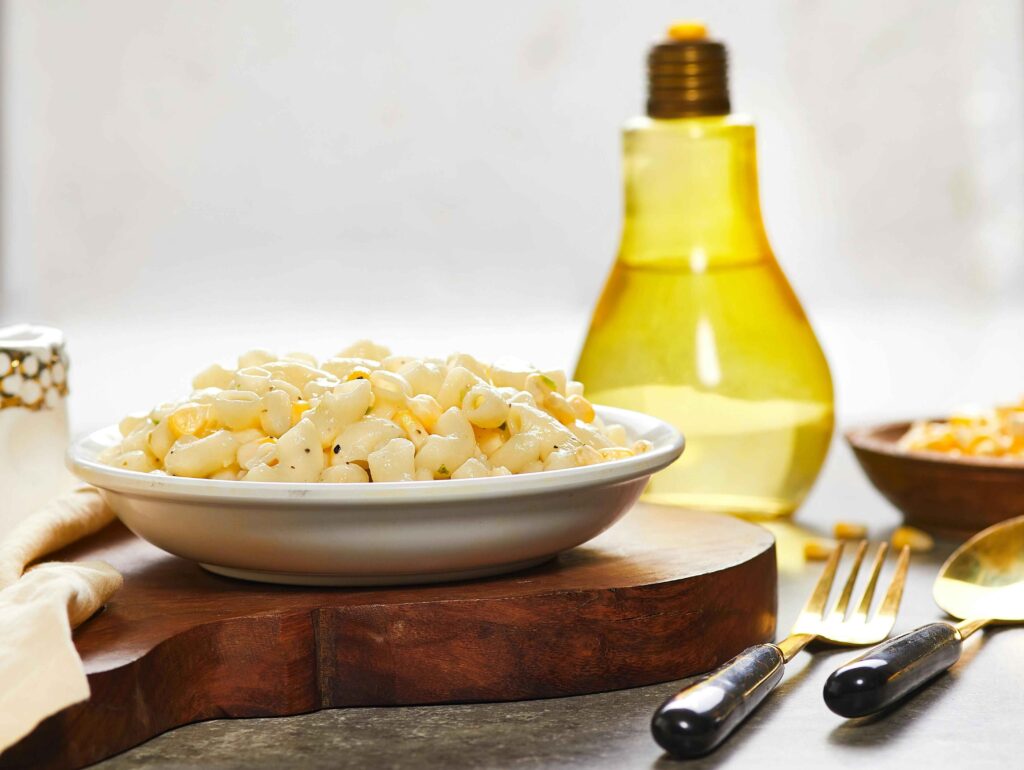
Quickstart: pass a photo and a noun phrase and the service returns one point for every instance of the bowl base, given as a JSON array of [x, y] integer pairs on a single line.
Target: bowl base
[[340, 580]]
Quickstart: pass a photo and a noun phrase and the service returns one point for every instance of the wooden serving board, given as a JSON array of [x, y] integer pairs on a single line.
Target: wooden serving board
[[662, 595]]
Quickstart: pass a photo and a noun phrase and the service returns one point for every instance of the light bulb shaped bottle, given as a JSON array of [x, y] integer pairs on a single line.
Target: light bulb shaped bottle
[[697, 324]]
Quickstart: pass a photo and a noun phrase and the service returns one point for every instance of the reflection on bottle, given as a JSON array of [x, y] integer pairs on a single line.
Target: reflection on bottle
[[708, 370]]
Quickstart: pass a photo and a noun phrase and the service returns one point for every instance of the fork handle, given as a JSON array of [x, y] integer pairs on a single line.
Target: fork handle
[[892, 670], [695, 720]]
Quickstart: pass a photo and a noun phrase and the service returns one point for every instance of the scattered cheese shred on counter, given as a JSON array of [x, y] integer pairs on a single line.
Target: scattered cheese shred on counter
[[845, 530], [818, 550], [915, 539]]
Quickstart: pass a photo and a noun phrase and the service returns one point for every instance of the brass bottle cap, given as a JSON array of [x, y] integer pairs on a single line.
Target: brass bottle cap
[[687, 74]]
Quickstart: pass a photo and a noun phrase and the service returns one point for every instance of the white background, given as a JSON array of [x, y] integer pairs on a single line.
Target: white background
[[181, 180]]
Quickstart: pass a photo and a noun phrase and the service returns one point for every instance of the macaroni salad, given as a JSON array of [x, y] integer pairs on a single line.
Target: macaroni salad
[[366, 415]]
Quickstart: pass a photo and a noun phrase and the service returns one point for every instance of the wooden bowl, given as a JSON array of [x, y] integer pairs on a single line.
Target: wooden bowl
[[952, 497]]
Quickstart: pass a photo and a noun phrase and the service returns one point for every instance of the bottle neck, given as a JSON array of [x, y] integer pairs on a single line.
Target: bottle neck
[[691, 194]]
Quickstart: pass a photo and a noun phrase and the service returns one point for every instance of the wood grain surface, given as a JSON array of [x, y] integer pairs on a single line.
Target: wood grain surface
[[662, 595]]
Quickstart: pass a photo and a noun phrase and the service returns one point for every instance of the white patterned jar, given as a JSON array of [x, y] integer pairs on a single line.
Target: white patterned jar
[[33, 420]]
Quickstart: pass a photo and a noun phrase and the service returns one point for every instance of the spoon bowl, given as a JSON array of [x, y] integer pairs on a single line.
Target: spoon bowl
[[984, 577]]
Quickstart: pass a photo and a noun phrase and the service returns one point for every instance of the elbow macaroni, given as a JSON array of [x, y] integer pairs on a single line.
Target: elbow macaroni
[[366, 415]]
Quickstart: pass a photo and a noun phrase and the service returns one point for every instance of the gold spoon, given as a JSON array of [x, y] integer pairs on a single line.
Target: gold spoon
[[981, 583]]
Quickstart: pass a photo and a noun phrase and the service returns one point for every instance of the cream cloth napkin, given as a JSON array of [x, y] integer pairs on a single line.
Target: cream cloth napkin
[[40, 671]]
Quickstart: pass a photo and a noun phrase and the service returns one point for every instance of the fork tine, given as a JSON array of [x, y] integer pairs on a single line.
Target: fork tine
[[891, 602], [816, 603], [869, 590], [839, 611]]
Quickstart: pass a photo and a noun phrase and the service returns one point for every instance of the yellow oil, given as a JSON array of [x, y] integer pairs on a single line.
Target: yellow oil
[[698, 325]]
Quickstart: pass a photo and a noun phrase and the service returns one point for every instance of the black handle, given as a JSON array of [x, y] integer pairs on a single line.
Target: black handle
[[697, 719], [892, 670]]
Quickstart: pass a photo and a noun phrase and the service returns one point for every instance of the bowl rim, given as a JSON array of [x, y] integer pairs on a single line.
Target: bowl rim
[[865, 438], [668, 445]]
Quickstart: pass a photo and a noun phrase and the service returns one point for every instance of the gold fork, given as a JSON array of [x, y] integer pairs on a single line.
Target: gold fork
[[697, 719]]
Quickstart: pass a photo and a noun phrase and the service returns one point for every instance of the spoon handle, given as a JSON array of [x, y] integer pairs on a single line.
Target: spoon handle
[[695, 720], [886, 673]]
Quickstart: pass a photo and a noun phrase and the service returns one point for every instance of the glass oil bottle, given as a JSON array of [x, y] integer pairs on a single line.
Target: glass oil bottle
[[697, 323]]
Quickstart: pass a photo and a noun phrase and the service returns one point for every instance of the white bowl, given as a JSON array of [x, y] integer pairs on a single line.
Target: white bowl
[[378, 534]]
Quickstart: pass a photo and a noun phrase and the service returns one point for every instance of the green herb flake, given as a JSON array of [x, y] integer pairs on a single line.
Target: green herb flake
[[549, 382], [443, 471]]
